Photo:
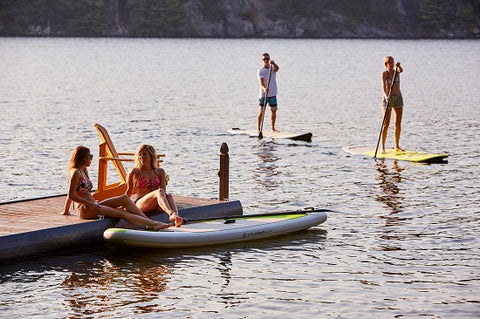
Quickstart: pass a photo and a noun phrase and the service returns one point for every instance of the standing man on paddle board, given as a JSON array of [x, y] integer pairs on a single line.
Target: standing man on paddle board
[[268, 90], [392, 99]]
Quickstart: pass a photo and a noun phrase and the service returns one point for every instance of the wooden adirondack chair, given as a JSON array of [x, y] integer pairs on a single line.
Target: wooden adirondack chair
[[108, 153]]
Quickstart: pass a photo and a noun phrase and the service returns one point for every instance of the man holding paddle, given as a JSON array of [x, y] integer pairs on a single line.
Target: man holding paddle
[[268, 91]]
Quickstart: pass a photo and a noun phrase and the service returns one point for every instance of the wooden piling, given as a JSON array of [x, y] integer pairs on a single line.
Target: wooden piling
[[224, 173]]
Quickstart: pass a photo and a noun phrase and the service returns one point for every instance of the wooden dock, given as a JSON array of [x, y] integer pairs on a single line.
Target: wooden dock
[[35, 214], [36, 226]]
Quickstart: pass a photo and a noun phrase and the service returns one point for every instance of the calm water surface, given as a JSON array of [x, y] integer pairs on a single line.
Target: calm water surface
[[402, 241]]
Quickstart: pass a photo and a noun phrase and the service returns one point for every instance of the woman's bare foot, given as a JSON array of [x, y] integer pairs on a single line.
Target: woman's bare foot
[[177, 220], [157, 226], [399, 149]]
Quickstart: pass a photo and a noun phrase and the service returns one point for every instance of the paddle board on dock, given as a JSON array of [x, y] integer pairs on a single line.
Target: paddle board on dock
[[230, 229], [288, 135], [411, 156]]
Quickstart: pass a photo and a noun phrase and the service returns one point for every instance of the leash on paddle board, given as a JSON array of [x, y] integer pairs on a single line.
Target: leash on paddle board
[[260, 134], [386, 110]]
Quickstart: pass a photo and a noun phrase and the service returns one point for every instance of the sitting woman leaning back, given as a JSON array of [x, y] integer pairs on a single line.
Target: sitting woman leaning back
[[79, 191], [150, 184]]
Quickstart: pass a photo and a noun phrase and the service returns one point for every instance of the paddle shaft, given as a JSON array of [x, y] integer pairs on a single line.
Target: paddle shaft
[[260, 134], [286, 212], [386, 110]]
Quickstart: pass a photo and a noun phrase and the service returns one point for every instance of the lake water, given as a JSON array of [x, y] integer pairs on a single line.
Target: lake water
[[403, 238]]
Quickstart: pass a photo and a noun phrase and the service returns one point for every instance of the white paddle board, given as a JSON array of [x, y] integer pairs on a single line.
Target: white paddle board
[[230, 229], [288, 135]]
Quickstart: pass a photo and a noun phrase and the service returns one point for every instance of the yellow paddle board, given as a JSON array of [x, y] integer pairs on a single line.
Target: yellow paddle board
[[411, 156]]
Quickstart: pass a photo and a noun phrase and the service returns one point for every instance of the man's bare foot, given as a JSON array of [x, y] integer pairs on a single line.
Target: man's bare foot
[[399, 149], [383, 152], [275, 131]]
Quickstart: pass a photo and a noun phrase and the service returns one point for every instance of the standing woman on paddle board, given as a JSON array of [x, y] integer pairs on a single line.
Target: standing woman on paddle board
[[150, 185], [79, 191], [268, 89], [392, 99]]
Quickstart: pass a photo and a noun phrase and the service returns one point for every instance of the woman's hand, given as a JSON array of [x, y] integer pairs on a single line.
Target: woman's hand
[[399, 68]]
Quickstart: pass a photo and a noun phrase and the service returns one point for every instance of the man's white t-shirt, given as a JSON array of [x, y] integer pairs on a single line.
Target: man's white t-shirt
[[272, 88]]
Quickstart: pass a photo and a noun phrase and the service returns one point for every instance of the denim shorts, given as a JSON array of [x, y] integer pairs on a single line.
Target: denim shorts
[[395, 101], [271, 101]]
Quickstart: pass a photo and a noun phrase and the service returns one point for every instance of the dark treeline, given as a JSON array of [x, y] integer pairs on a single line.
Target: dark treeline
[[242, 18]]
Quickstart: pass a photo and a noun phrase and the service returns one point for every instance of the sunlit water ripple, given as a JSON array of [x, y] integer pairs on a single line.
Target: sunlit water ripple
[[401, 242]]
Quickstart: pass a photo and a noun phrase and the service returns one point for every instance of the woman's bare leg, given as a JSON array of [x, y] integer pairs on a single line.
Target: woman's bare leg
[[158, 200], [123, 214], [386, 124], [131, 213], [165, 204], [398, 112], [177, 219]]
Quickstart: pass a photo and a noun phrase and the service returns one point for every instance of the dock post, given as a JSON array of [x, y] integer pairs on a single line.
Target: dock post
[[224, 173]]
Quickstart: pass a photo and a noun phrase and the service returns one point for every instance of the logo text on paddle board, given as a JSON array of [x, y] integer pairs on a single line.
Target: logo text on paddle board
[[256, 234]]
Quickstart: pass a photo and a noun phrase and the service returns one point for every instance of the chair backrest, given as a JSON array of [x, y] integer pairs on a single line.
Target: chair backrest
[[108, 153], [108, 150]]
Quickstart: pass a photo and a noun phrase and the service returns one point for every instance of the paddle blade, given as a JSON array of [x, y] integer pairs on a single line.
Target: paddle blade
[[260, 135]]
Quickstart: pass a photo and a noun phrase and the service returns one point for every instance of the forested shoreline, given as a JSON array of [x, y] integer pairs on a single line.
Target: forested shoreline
[[242, 18]]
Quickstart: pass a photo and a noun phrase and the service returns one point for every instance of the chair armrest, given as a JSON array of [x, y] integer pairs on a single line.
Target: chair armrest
[[117, 159], [133, 154]]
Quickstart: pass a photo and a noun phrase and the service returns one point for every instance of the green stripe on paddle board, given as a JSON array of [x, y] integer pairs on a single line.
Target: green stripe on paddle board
[[118, 230], [282, 216]]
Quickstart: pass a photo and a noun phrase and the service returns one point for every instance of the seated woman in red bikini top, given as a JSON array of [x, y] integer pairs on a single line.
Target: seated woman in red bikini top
[[149, 182], [144, 183]]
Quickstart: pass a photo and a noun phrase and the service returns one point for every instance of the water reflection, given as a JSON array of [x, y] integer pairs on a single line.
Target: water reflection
[[225, 295], [267, 170], [98, 278], [225, 267], [389, 179]]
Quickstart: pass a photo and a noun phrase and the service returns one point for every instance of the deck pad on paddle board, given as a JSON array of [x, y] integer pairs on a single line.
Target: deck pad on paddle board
[[411, 156], [219, 231], [288, 135]]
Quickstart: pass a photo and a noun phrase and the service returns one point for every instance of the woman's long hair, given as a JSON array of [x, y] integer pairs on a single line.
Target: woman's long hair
[[79, 158], [151, 151]]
